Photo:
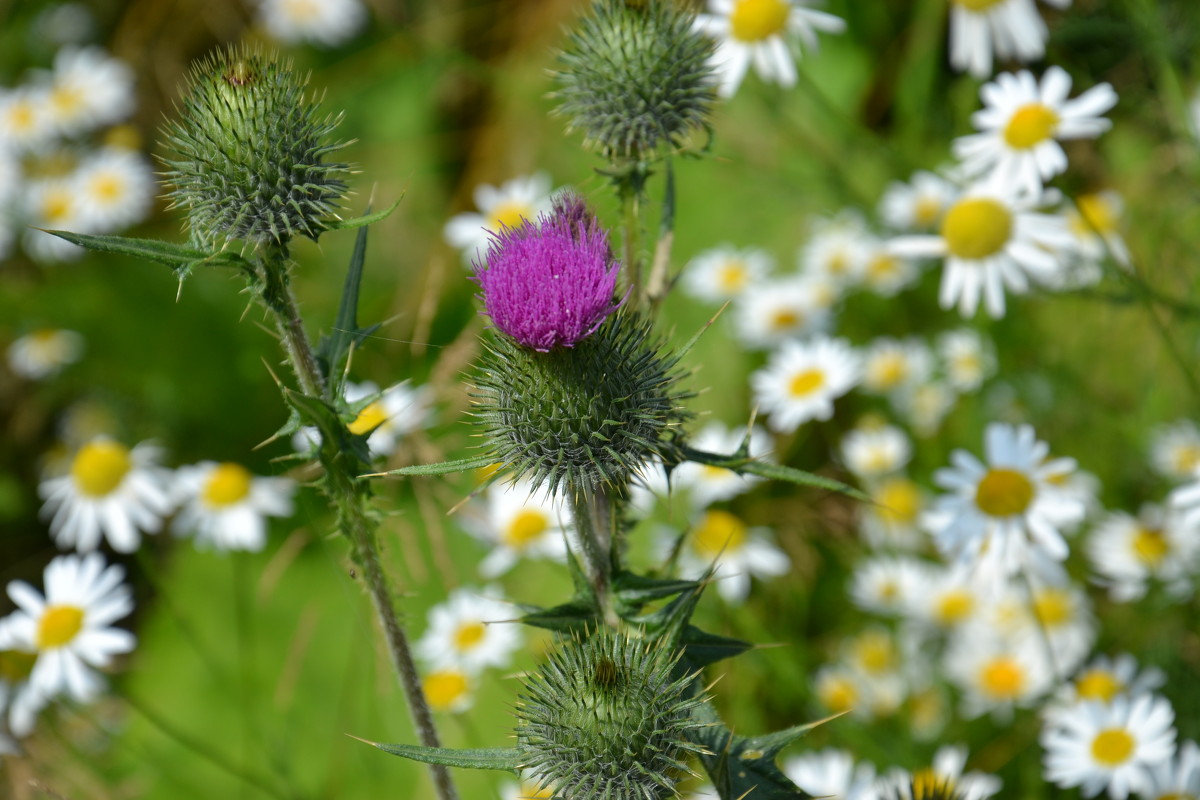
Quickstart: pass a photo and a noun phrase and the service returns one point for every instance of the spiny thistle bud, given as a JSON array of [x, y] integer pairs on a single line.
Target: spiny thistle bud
[[634, 76], [606, 718], [246, 157]]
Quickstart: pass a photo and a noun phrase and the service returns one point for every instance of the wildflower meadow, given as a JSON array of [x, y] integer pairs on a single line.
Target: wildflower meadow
[[600, 399]]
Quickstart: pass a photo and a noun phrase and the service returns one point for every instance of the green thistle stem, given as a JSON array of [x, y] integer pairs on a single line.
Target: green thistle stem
[[660, 283], [632, 240], [592, 541], [349, 493]]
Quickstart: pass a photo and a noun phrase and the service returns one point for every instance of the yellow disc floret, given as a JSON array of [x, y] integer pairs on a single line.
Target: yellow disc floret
[[100, 467], [1003, 492], [1002, 678], [58, 626], [526, 527], [717, 532], [469, 635], [806, 382], [1029, 126], [1113, 747], [976, 228], [227, 484], [756, 20]]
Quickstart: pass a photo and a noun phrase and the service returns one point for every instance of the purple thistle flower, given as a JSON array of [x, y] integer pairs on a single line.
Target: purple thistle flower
[[551, 283]]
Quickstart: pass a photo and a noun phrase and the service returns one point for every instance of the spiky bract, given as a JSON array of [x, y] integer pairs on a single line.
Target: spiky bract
[[634, 76], [246, 157], [585, 418], [606, 717]]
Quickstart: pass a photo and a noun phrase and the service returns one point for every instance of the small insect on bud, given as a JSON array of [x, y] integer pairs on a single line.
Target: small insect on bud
[[605, 718], [246, 157]]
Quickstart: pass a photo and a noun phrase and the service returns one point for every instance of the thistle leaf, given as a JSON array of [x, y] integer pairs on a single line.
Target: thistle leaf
[[739, 765], [441, 468], [361, 222], [504, 758], [332, 350], [178, 257], [752, 466]]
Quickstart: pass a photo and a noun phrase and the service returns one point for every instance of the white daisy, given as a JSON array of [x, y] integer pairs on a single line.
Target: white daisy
[[115, 188], [706, 484], [1007, 28], [771, 312], [802, 380], [88, 89], [991, 239], [1185, 500], [925, 405], [873, 451], [891, 519], [323, 22], [841, 689], [917, 205], [830, 773], [754, 31], [1023, 122], [997, 673], [390, 415], [1003, 515], [1057, 613], [111, 491], [1126, 552], [25, 121], [886, 585], [507, 205], [471, 630], [519, 521], [892, 366], [968, 359], [1114, 746], [836, 249], [71, 626], [1177, 778], [1095, 219], [1175, 450], [737, 551], [53, 204], [943, 778], [450, 689], [44, 353], [884, 272], [724, 272], [226, 506], [20, 701], [947, 601], [1102, 680], [531, 788]]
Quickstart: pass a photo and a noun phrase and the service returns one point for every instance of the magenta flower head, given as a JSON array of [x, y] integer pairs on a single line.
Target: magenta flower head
[[551, 283]]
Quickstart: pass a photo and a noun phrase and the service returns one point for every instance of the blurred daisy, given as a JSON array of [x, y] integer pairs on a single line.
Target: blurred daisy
[[801, 381], [990, 240], [886, 273], [1126, 552], [1104, 679], [948, 600], [724, 272], [836, 249], [1175, 450], [707, 484], [840, 689], [997, 673], [53, 204], [1003, 515], [509, 205], [530, 788], [115, 188], [110, 490], [470, 631], [891, 521], [520, 521], [967, 357], [1021, 126], [1113, 746], [886, 584], [737, 551], [25, 121], [873, 652], [323, 22], [226, 506], [1185, 500], [830, 773], [944, 778], [925, 405], [917, 205], [20, 702], [1057, 613], [88, 89], [892, 365], [44, 353], [1005, 28], [70, 628], [771, 312], [1177, 778], [753, 31], [873, 451], [449, 689], [1095, 219], [390, 415]]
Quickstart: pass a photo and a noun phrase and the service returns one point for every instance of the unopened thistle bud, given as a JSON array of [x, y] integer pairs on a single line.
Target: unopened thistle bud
[[636, 76], [605, 717], [247, 155], [571, 392]]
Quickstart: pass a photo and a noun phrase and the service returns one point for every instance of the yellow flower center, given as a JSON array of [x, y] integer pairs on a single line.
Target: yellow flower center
[[21, 116], [930, 785], [806, 382], [718, 532], [1002, 678], [100, 467], [1186, 458], [977, 5], [228, 484], [368, 419], [888, 371], [882, 266], [16, 665], [839, 263], [1113, 747], [874, 652], [889, 591], [1095, 213], [731, 278], [755, 20], [484, 473], [1151, 546], [66, 100], [531, 791], [445, 689], [926, 211], [1030, 125], [1003, 493], [510, 215], [56, 206], [976, 228], [1052, 607], [953, 607], [838, 694], [1098, 684], [711, 473], [784, 319], [525, 528], [106, 187], [900, 501], [469, 635], [58, 626]]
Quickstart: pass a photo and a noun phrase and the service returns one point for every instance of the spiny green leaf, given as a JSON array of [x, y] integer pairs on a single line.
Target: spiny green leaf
[[778, 472], [332, 350], [739, 765], [335, 438], [442, 467], [359, 222], [176, 256], [505, 758], [634, 591]]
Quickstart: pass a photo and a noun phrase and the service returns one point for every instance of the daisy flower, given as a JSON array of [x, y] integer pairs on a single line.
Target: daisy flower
[[1021, 126], [226, 506], [531, 788], [948, 600], [20, 702], [70, 628], [1005, 28], [88, 89], [509, 205], [737, 552], [997, 673], [772, 312], [886, 585], [991, 239], [891, 520], [1102, 680], [884, 272], [707, 484], [967, 358], [830, 773], [753, 31], [391, 414], [873, 451], [724, 272], [944, 778], [44, 353], [1185, 500], [519, 521], [53, 204], [1095, 219], [1126, 552], [840, 689], [1057, 611], [470, 631], [25, 121], [1177, 778], [110, 490], [801, 381], [1114, 746], [925, 405], [115, 188], [449, 689], [836, 249], [324, 22], [1175, 450], [1004, 514], [891, 366], [917, 205]]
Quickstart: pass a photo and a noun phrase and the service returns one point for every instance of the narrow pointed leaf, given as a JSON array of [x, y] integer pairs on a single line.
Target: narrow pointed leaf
[[332, 349], [634, 591], [359, 222], [176, 256], [503, 758], [741, 766], [778, 472], [442, 467]]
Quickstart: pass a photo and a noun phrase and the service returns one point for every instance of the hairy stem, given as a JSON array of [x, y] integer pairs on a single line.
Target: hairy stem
[[632, 229], [593, 541]]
